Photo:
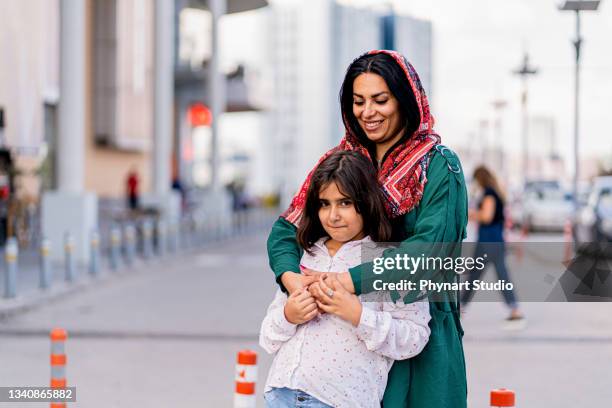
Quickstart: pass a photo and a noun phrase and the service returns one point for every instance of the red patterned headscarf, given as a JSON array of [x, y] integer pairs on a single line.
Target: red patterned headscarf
[[403, 174]]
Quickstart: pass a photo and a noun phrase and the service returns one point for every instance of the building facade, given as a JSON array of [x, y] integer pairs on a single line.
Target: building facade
[[313, 44]]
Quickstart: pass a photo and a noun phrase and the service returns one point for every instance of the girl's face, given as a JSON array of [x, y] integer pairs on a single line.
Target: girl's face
[[376, 109], [338, 215]]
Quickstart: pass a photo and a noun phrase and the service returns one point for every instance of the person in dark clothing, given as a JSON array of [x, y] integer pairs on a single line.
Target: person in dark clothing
[[132, 183], [491, 244]]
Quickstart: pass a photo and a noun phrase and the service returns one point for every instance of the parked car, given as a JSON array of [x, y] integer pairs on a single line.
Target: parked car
[[546, 209], [540, 205], [594, 221]]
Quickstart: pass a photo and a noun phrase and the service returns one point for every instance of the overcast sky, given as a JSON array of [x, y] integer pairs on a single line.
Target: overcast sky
[[477, 45]]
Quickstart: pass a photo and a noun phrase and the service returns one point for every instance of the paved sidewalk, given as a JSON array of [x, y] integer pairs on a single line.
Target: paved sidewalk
[[166, 335], [163, 336]]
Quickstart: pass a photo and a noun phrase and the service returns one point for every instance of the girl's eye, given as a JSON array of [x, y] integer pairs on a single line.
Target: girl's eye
[[358, 103], [382, 102], [322, 204], [346, 203]]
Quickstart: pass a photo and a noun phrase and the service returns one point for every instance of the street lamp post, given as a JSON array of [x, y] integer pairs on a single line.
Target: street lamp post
[[577, 6], [524, 72], [498, 106], [483, 140]]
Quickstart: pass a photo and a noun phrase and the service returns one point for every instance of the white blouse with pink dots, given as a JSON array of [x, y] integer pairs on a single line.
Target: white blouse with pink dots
[[330, 359]]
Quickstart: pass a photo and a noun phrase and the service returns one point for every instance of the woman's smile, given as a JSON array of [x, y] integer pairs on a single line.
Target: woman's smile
[[372, 125]]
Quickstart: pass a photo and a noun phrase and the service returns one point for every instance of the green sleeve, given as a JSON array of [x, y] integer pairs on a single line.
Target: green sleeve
[[441, 217], [284, 253]]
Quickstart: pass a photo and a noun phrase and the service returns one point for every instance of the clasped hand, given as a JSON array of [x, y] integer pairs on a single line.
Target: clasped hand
[[317, 293]]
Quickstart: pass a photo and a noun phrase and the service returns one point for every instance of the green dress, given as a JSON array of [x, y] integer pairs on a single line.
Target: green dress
[[435, 378]]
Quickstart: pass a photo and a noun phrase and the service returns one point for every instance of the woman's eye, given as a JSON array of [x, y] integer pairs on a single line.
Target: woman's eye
[[346, 203], [358, 103], [382, 102], [322, 204]]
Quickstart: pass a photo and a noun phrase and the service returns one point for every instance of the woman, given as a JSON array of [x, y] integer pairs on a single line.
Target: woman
[[490, 219], [387, 119]]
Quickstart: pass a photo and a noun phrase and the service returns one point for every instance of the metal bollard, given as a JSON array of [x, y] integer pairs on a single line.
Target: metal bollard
[[69, 257], [205, 231], [212, 229], [177, 236], [219, 231], [172, 246], [130, 244], [58, 362], [183, 234], [45, 264], [199, 232], [193, 232], [115, 248], [187, 233], [11, 252], [161, 237], [94, 259], [147, 235], [235, 223]]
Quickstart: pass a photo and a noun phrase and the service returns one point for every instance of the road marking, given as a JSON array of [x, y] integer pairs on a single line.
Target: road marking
[[171, 336], [130, 335], [539, 339]]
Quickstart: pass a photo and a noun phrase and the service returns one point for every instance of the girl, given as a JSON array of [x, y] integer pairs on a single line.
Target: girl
[[342, 357]]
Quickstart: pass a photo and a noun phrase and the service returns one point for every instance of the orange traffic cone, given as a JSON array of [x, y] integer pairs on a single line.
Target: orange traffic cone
[[58, 362], [246, 377], [502, 398]]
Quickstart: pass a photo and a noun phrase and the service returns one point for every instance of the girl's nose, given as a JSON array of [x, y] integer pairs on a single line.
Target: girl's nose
[[334, 214]]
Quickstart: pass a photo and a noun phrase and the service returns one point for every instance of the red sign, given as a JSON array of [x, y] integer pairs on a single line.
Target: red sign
[[199, 115]]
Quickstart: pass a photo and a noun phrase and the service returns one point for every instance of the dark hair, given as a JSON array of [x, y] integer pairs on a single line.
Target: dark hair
[[355, 177], [385, 66], [487, 179]]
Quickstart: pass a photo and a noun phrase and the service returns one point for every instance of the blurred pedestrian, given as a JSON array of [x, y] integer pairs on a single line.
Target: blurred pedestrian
[[177, 186], [132, 187], [387, 120], [344, 210], [491, 244]]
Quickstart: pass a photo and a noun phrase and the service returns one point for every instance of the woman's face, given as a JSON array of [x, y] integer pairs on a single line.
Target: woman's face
[[338, 215], [376, 109]]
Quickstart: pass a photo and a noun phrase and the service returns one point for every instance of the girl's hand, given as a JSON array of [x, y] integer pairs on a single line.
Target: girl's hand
[[313, 289], [344, 278], [332, 297], [295, 281], [300, 307]]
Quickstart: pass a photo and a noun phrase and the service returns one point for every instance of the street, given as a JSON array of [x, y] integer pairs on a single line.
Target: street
[[167, 334]]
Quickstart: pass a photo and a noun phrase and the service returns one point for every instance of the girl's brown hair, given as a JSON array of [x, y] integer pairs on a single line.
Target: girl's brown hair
[[356, 179], [486, 179]]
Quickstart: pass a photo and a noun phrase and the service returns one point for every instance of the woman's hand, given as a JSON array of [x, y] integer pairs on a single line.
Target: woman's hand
[[332, 297], [300, 307], [295, 281], [343, 277]]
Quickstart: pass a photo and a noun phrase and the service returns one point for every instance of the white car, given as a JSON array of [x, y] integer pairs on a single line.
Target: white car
[[546, 209]]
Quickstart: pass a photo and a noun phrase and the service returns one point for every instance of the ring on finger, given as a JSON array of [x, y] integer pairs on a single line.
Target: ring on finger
[[330, 293]]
